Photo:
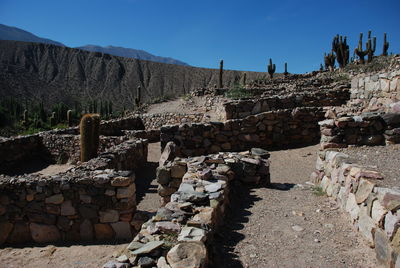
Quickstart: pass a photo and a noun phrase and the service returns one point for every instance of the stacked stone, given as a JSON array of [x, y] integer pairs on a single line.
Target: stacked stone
[[179, 232], [374, 211], [375, 91], [156, 121], [76, 205], [115, 126], [152, 135], [243, 108], [275, 129], [364, 129]]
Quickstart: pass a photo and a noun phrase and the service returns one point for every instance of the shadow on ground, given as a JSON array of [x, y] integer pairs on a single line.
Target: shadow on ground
[[241, 199], [144, 176]]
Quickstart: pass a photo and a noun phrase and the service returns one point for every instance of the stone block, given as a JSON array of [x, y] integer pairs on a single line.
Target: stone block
[[43, 233]]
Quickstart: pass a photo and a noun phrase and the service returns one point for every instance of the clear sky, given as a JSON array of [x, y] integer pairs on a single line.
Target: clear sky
[[244, 33]]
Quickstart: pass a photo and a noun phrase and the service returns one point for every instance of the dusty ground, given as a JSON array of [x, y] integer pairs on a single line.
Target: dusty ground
[[54, 169], [385, 159], [285, 226], [289, 225]]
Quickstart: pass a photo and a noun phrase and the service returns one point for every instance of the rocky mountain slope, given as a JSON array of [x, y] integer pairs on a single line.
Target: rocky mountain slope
[[131, 53], [49, 73], [17, 34]]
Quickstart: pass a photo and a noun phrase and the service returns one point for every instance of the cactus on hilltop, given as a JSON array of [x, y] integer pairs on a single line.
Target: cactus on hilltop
[[329, 60], [285, 73], [371, 46], [221, 71], [385, 45], [359, 51], [271, 68], [69, 118], [341, 49], [53, 119]]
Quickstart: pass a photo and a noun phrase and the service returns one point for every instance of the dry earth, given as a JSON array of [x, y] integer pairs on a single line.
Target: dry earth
[[284, 226]]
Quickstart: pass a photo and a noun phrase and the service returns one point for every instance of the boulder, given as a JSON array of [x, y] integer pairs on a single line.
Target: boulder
[[188, 255]]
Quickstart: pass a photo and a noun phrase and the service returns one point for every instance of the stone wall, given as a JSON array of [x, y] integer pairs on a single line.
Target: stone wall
[[181, 232], [243, 108], [156, 121], [275, 129], [78, 205], [364, 129], [375, 91], [373, 210], [95, 200]]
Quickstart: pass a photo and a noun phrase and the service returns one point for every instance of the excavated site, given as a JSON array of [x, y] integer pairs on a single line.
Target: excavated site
[[305, 173]]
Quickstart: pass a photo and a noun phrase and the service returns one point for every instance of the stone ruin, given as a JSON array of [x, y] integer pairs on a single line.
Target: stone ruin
[[201, 162]]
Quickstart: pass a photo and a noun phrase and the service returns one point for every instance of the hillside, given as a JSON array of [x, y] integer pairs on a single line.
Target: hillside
[[49, 73], [131, 53], [16, 34]]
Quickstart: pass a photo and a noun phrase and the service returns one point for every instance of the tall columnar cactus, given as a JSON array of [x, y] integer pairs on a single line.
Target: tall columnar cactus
[[221, 71], [371, 46], [89, 131], [321, 67], [138, 96], [25, 118], [385, 46], [271, 68], [53, 119], [341, 49], [69, 118], [359, 51], [285, 72], [329, 60]]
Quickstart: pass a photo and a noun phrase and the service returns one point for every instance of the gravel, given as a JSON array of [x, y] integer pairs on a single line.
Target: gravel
[[385, 159]]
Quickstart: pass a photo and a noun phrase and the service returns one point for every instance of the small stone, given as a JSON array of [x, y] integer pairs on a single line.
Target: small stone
[[122, 258], [192, 234], [297, 228], [146, 262], [188, 255], [134, 245], [67, 209], [213, 187], [126, 192], [103, 231], [121, 181], [365, 187], [109, 215], [42, 233], [55, 199], [168, 227], [148, 247], [162, 263], [177, 171]]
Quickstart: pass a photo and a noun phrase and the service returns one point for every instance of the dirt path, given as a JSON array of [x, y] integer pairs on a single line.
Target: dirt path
[[289, 225]]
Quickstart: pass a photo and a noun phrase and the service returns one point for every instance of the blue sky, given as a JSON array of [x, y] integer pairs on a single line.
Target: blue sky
[[244, 33]]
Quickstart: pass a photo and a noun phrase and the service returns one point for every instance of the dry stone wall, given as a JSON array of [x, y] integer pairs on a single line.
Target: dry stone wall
[[156, 121], [375, 91], [243, 108], [181, 233], [364, 129], [275, 129], [373, 210]]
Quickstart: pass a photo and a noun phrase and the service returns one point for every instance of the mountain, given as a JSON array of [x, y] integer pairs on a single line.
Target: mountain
[[131, 53], [49, 73], [16, 34]]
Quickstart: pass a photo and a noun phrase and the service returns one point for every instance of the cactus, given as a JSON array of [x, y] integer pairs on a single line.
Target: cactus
[[329, 61], [69, 118], [285, 73], [271, 68], [341, 49], [385, 45], [321, 68], [221, 70], [53, 119], [138, 96], [359, 51], [244, 79], [89, 132], [371, 46]]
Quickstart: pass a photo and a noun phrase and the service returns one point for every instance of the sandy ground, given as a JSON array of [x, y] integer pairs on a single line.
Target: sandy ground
[[54, 169], [288, 225]]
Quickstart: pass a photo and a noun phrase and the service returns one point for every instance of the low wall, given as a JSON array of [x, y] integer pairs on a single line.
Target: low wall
[[243, 108], [374, 211], [181, 232], [364, 129], [275, 129], [375, 91], [73, 206], [156, 121]]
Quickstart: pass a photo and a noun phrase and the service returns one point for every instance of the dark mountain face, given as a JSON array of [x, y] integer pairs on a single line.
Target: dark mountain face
[[16, 34], [49, 73], [131, 53]]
